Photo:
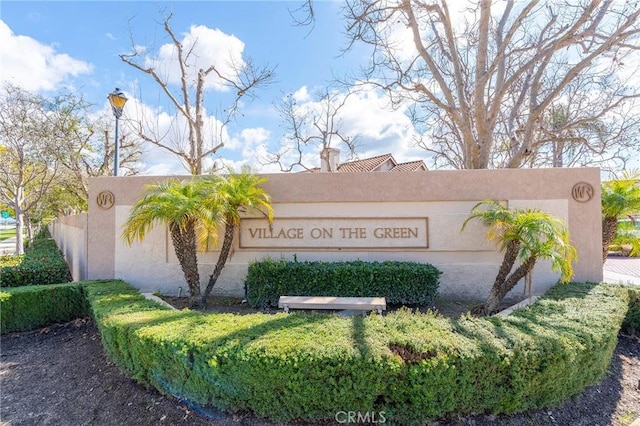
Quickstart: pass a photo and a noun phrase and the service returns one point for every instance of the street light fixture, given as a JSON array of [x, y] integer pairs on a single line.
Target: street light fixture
[[117, 101]]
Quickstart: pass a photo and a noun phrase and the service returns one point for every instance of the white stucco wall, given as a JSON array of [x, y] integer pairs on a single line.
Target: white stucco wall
[[443, 199], [70, 234]]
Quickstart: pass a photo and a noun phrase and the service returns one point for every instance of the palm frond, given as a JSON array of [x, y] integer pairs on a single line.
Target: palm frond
[[539, 235]]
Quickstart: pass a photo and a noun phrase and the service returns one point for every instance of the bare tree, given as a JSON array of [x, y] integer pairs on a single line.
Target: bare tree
[[482, 81], [188, 102], [30, 150], [304, 14], [313, 126], [90, 151]]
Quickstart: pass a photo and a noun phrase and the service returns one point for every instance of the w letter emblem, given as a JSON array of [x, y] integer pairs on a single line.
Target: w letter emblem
[[582, 192], [105, 200]]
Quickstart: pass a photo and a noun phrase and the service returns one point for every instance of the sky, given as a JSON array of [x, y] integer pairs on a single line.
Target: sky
[[53, 46], [61, 45]]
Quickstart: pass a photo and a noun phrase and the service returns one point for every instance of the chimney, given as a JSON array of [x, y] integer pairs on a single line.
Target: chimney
[[329, 160]]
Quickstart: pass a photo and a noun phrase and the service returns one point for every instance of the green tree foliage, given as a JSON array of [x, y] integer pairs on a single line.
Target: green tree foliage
[[523, 235], [619, 198], [193, 210], [30, 150], [236, 193], [186, 208], [49, 147]]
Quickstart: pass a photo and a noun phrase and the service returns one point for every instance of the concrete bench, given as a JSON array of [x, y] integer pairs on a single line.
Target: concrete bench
[[317, 302]]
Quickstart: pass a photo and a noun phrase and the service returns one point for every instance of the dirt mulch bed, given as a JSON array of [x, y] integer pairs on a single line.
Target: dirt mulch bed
[[218, 304], [61, 376]]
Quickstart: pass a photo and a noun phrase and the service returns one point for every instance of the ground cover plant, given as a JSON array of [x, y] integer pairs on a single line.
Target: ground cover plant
[[414, 367]]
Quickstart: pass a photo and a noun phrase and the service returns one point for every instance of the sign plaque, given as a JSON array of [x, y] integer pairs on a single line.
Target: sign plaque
[[335, 233], [582, 192], [105, 200]]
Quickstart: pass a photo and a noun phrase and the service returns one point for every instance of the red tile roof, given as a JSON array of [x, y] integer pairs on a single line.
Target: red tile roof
[[410, 166], [366, 165], [371, 164]]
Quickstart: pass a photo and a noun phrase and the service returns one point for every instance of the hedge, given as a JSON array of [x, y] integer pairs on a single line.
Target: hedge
[[411, 367], [26, 308], [43, 263], [631, 323], [403, 283]]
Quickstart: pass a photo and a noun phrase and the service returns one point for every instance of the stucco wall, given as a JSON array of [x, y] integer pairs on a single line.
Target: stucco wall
[[70, 233], [373, 203]]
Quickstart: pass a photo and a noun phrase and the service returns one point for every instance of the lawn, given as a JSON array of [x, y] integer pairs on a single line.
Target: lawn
[[7, 233]]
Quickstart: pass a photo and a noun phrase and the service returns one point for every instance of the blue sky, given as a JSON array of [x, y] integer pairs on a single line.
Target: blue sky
[[51, 46], [54, 45]]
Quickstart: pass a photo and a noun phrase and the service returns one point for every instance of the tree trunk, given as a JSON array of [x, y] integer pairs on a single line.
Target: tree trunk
[[19, 233], [229, 231], [609, 231], [184, 244], [510, 256], [17, 207], [500, 289], [30, 235]]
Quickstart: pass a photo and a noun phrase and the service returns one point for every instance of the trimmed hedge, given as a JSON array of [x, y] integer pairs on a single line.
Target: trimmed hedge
[[26, 308], [406, 283], [631, 323], [410, 367], [43, 263]]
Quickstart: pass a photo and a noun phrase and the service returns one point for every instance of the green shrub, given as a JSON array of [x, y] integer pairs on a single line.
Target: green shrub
[[413, 367], [10, 260], [43, 263], [406, 283], [631, 323], [26, 308]]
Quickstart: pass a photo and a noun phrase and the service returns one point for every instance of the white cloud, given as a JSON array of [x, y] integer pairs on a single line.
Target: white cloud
[[171, 131], [205, 47], [366, 114], [34, 66], [302, 95], [250, 137]]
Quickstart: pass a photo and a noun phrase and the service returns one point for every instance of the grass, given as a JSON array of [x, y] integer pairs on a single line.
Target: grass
[[7, 233]]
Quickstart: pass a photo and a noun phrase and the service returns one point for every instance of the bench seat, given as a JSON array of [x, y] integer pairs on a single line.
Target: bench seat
[[327, 302]]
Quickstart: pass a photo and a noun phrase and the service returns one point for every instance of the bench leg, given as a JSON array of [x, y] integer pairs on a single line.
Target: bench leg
[[286, 308], [379, 310]]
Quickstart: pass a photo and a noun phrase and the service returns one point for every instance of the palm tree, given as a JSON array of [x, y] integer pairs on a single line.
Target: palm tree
[[192, 220], [527, 235], [619, 198], [236, 194]]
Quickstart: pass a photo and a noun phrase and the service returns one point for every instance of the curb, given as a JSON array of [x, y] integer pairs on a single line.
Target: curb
[[156, 299]]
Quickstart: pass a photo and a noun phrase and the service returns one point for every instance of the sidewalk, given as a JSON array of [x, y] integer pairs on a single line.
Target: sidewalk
[[622, 270], [8, 246]]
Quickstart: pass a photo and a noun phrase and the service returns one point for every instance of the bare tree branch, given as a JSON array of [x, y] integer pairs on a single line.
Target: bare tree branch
[[313, 127], [484, 83], [243, 78]]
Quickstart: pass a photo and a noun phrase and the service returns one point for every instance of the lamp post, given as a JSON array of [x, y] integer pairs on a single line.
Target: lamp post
[[117, 101]]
